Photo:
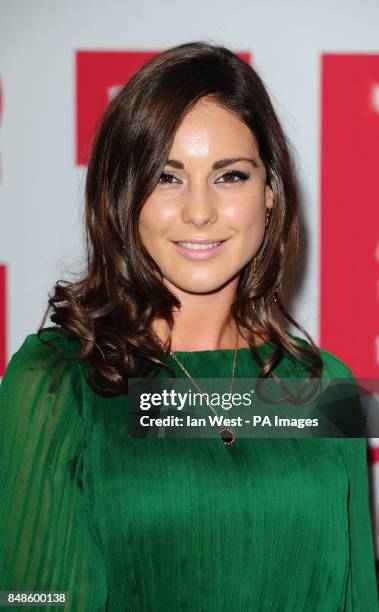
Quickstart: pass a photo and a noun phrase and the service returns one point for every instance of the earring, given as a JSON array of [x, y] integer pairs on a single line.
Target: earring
[[272, 298], [267, 217], [254, 268], [123, 247], [254, 264]]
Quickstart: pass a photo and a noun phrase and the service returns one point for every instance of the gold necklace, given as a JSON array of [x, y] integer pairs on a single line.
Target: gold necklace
[[227, 434]]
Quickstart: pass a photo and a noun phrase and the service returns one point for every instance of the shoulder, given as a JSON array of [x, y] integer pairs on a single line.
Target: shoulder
[[41, 403], [51, 342], [41, 358], [333, 366]]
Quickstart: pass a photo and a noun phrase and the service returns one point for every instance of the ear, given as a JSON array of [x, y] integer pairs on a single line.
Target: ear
[[269, 197]]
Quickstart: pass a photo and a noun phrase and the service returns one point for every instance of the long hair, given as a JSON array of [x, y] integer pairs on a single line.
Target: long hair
[[111, 308]]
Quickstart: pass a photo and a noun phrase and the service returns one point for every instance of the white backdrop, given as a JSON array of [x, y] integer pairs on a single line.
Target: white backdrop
[[41, 187]]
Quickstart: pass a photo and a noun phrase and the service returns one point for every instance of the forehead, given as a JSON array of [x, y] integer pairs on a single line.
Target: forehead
[[210, 128]]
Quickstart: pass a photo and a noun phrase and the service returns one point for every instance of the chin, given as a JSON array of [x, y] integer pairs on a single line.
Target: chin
[[200, 286], [201, 290]]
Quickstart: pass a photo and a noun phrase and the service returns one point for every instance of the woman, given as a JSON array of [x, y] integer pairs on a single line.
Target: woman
[[191, 217]]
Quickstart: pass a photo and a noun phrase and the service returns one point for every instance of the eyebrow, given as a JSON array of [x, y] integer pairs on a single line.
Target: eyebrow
[[221, 163]]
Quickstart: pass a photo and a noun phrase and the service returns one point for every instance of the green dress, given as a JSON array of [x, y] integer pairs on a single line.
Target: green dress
[[136, 524]]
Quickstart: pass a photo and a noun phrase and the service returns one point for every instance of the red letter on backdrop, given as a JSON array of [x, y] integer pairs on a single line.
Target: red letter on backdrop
[[99, 74], [350, 210]]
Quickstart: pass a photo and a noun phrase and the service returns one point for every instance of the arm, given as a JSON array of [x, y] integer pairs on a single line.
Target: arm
[[362, 589], [362, 595], [45, 540]]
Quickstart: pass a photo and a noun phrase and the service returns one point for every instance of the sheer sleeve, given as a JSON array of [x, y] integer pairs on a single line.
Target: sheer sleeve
[[45, 536], [362, 591]]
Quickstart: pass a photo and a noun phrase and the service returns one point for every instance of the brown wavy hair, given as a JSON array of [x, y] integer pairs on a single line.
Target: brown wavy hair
[[110, 310]]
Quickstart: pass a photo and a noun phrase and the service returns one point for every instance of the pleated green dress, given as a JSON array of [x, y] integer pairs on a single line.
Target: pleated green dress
[[157, 525]]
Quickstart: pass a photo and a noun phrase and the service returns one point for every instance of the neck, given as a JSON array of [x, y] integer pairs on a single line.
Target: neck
[[204, 321]]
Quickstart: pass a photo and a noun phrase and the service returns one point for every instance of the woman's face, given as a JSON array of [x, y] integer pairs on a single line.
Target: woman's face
[[204, 196]]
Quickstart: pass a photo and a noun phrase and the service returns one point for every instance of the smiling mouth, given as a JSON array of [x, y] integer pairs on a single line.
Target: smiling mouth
[[193, 246], [200, 250], [199, 246]]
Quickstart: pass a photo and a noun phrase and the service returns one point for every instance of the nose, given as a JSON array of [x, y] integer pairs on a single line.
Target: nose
[[199, 207]]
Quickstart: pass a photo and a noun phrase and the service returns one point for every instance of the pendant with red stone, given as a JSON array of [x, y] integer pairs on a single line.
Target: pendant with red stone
[[228, 436]]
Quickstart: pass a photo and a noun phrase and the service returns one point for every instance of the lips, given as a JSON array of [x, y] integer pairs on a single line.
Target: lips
[[200, 249], [199, 246]]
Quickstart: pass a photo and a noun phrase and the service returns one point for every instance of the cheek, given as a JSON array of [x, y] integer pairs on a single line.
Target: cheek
[[247, 206], [249, 216], [155, 217]]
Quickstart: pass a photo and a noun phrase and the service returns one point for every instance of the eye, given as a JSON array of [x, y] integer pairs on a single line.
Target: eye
[[241, 176], [166, 178]]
